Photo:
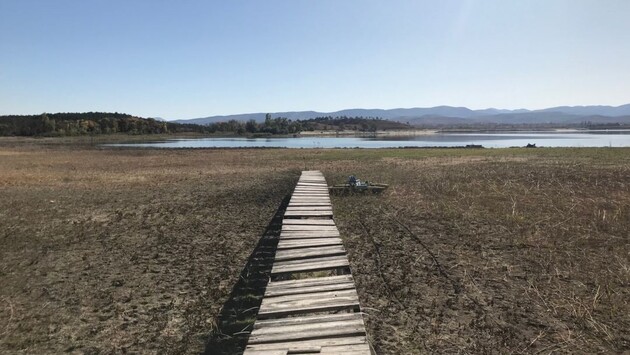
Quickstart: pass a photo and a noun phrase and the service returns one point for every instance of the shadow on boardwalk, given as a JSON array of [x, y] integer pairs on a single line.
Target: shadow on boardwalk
[[238, 314]]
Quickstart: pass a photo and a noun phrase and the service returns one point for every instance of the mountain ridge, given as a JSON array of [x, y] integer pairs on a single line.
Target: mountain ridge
[[461, 114]]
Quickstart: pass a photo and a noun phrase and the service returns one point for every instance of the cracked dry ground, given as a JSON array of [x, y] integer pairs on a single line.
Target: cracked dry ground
[[469, 251]]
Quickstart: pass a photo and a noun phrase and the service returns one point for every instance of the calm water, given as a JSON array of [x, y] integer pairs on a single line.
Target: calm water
[[612, 138]]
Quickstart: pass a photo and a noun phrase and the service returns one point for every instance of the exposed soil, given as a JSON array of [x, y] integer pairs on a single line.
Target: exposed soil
[[469, 251]]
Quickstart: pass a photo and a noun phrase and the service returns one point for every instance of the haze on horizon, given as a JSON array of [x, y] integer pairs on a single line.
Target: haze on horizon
[[200, 58]]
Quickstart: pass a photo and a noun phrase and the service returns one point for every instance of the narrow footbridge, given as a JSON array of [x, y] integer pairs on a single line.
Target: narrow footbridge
[[311, 305]]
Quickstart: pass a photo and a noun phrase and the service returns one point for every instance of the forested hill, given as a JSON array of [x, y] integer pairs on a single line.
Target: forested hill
[[87, 123], [364, 124]]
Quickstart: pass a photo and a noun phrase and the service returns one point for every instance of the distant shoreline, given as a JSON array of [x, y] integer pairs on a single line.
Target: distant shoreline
[[406, 132]]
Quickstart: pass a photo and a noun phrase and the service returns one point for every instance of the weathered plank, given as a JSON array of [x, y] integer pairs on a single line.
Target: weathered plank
[[307, 331], [269, 352], [308, 213], [308, 265], [309, 196], [310, 233], [309, 208], [323, 197], [302, 253], [309, 201], [305, 323], [277, 291], [297, 227], [310, 204], [320, 318], [322, 222], [300, 346], [306, 204], [317, 302], [313, 281], [290, 243], [308, 236], [280, 301]]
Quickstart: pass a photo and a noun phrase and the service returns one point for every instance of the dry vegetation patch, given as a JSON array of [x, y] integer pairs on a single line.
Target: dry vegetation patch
[[469, 251]]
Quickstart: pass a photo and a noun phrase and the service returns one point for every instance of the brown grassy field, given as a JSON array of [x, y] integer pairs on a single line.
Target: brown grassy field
[[469, 251]]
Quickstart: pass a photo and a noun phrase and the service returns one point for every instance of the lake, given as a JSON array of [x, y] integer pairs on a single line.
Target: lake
[[608, 138]]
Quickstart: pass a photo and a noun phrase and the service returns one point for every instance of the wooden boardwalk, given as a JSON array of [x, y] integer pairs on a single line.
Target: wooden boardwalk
[[301, 311]]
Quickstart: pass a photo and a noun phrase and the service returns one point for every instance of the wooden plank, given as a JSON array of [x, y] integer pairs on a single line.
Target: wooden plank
[[301, 195], [362, 349], [302, 253], [310, 305], [320, 318], [308, 213], [307, 331], [313, 281], [309, 208], [310, 198], [297, 227], [310, 289], [306, 204], [308, 242], [308, 201], [308, 265], [322, 222], [316, 192], [310, 234], [305, 326], [310, 194], [339, 331], [267, 352], [280, 301], [299, 346], [278, 288]]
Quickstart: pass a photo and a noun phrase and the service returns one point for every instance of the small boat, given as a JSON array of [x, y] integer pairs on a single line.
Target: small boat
[[355, 185]]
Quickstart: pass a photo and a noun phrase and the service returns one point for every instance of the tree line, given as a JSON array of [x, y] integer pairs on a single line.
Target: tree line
[[88, 123], [283, 125], [96, 123]]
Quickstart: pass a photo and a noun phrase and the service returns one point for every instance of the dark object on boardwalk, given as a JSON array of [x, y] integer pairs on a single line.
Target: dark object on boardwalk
[[356, 185], [530, 145]]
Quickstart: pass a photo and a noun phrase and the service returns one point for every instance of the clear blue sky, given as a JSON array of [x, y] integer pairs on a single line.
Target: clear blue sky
[[185, 59]]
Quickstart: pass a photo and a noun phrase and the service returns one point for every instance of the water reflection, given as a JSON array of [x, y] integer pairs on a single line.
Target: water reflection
[[612, 138]]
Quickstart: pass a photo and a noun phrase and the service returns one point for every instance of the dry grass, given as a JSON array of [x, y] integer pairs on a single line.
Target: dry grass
[[137, 250]]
